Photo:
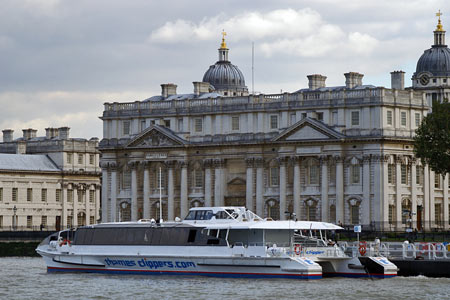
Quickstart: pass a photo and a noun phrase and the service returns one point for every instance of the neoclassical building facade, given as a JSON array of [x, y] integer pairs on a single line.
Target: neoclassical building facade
[[50, 182], [340, 154]]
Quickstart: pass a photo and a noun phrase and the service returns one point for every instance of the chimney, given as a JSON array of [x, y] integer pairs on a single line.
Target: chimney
[[63, 133], [29, 133], [7, 135], [21, 147], [200, 87], [316, 81], [51, 133], [398, 80], [168, 89], [353, 79]]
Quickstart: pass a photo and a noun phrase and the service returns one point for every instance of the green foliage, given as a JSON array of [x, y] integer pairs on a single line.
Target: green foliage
[[432, 140]]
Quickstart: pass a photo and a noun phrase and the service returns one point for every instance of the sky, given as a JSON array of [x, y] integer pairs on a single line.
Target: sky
[[60, 60]]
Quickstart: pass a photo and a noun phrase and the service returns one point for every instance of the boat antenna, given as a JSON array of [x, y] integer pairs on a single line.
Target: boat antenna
[[160, 195], [253, 68]]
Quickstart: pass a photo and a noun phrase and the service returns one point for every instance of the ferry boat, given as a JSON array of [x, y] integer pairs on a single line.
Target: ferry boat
[[210, 241]]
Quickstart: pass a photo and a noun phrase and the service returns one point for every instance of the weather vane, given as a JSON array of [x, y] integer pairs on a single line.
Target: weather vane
[[439, 25], [223, 45]]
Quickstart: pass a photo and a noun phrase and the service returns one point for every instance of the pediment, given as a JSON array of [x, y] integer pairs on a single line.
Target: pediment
[[307, 130], [156, 136]]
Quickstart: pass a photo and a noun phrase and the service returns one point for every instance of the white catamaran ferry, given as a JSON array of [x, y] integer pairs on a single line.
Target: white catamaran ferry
[[210, 241]]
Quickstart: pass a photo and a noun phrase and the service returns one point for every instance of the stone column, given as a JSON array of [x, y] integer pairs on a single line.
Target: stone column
[[324, 188], [426, 197], [170, 192], [365, 205], [134, 203], [113, 191], [64, 205], [413, 194], [75, 204], [283, 181], [105, 217], [183, 190], [97, 203], [259, 187], [88, 204], [398, 192], [296, 187], [146, 190], [249, 184], [219, 182], [208, 182], [339, 189], [445, 208]]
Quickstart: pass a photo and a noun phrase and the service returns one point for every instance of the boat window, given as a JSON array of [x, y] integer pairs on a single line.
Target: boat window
[[213, 232], [191, 215], [208, 215], [221, 215], [192, 234]]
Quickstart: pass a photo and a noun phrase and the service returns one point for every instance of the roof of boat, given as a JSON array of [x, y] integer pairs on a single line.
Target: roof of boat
[[266, 224]]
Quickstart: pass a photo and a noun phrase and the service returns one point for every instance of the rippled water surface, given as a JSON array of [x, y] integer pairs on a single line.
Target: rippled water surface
[[27, 278]]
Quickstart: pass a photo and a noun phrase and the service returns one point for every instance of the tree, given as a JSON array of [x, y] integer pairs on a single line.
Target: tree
[[432, 140]]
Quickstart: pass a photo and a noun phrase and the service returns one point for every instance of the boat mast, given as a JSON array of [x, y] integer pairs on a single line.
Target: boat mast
[[160, 196]]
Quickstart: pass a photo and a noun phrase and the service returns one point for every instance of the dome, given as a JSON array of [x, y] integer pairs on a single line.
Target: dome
[[223, 75], [435, 60]]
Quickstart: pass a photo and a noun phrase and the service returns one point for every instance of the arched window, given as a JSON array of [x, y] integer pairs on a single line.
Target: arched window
[[311, 210], [273, 209], [406, 210]]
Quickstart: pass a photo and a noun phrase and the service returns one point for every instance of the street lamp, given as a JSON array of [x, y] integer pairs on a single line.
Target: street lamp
[[14, 218]]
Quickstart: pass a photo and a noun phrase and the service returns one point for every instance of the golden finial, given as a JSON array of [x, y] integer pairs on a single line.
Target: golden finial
[[223, 45], [439, 25]]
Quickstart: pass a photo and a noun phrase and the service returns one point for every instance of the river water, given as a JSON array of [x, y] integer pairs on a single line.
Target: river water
[[27, 278]]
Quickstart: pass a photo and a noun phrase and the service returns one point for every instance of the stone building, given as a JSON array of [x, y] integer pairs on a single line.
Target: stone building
[[51, 182], [339, 154]]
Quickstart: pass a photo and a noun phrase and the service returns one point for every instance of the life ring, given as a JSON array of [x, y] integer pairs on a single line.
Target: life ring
[[298, 249], [424, 248], [362, 248], [65, 242]]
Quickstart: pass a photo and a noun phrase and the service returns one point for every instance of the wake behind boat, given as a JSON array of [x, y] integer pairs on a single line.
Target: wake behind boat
[[210, 241]]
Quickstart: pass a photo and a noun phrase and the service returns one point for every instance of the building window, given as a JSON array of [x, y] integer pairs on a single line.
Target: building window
[[198, 178], [166, 123], [91, 196], [274, 176], [419, 175], [80, 219], [437, 214], [29, 221], [355, 118], [389, 117], [234, 123], [198, 125], [152, 122], [69, 195], [354, 214], [437, 181], [355, 175], [273, 122], [1, 194], [143, 125], [126, 180], [91, 159], [69, 158], [80, 159], [58, 195], [304, 115], [160, 179], [69, 221], [404, 174], [391, 173], [406, 210], [44, 221], [44, 195], [403, 118], [80, 196], [391, 213], [29, 194], [335, 117], [14, 194], [292, 119], [320, 116], [417, 119], [313, 174], [126, 127], [311, 211], [180, 124], [91, 220]]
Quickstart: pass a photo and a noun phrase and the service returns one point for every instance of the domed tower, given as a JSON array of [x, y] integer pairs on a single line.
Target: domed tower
[[433, 67], [225, 77]]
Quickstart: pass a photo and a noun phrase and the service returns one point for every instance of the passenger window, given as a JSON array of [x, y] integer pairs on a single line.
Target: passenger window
[[192, 234]]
